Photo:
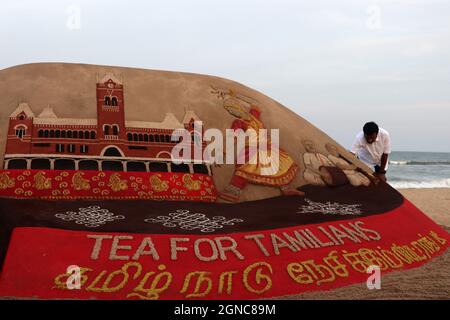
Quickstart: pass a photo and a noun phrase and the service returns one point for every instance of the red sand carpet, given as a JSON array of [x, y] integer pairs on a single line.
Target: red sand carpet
[[239, 265]]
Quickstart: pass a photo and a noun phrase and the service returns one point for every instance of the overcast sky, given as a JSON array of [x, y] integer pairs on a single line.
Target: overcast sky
[[336, 63]]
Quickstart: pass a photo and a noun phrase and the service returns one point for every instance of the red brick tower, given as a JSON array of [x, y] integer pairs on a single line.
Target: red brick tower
[[110, 108]]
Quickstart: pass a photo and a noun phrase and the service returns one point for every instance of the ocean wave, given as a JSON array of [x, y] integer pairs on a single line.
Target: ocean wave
[[423, 163], [442, 183]]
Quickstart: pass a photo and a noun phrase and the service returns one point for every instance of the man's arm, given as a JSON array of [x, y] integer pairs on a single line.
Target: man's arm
[[384, 160], [382, 173]]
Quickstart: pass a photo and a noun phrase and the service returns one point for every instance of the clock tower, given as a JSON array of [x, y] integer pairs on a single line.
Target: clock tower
[[110, 108]]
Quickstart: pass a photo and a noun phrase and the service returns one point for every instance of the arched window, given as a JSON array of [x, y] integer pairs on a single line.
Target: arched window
[[75, 135], [80, 134], [40, 133], [115, 130], [46, 133], [107, 101], [92, 134], [88, 165], [136, 166], [21, 117], [167, 138], [151, 138], [64, 164], [156, 138], [20, 132], [17, 164], [57, 134], [114, 101], [63, 134], [52, 133], [146, 137], [141, 137], [106, 128], [40, 164], [129, 136], [69, 134], [135, 137], [161, 138], [86, 134], [112, 152]]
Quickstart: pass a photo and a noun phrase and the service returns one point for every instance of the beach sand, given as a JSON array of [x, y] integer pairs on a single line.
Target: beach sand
[[430, 281]]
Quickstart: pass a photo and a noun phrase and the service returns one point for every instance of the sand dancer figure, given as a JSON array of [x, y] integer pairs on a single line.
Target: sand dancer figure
[[251, 171]]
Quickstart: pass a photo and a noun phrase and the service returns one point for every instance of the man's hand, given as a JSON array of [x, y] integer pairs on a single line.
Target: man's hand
[[381, 176]]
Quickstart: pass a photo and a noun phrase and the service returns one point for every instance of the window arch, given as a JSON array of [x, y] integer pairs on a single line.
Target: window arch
[[114, 101], [115, 130], [20, 131], [63, 134], [112, 152], [40, 133], [106, 129], [135, 137], [107, 101], [129, 136], [92, 134], [141, 137], [86, 134]]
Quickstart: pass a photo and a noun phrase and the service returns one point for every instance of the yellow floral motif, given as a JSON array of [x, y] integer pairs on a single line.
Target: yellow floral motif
[[157, 184], [189, 184], [41, 182], [79, 183], [6, 181], [26, 184], [116, 183]]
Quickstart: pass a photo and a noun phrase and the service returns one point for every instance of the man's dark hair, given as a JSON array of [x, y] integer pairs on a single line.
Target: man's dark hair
[[370, 128]]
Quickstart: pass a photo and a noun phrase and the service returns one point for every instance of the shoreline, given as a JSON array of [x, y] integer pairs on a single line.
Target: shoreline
[[434, 202]]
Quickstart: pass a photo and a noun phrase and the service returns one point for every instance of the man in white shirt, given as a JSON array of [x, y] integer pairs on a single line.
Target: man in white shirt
[[373, 146]]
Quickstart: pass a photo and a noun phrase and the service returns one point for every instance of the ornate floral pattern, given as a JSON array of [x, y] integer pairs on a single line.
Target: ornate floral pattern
[[5, 181], [91, 217], [41, 182], [79, 183], [331, 208], [71, 184], [157, 184], [186, 220]]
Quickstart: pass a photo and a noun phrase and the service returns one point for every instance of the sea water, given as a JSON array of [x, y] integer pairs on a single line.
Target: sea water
[[419, 170]]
